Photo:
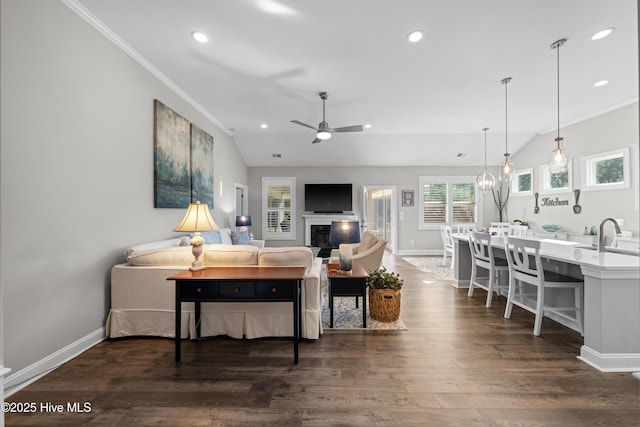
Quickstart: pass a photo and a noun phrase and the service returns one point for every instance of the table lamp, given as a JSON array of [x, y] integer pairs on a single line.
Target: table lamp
[[197, 219], [243, 221], [344, 234]]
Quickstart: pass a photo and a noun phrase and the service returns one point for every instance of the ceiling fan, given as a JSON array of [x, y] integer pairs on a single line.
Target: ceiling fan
[[323, 129]]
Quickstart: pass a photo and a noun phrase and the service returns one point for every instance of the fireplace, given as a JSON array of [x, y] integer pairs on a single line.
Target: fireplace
[[320, 239], [317, 231]]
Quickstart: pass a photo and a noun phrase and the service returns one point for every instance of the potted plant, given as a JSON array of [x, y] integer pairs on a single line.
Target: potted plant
[[384, 294]]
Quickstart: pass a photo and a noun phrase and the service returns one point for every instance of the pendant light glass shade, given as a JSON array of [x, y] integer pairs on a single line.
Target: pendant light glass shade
[[485, 181], [506, 169], [559, 158]]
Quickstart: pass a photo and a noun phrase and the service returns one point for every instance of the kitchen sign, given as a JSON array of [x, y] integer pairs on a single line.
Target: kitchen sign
[[547, 201]]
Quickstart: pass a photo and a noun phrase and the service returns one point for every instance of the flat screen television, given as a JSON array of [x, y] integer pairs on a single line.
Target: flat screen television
[[328, 198]]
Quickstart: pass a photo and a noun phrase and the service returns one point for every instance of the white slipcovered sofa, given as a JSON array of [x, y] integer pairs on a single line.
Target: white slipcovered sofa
[[143, 300]]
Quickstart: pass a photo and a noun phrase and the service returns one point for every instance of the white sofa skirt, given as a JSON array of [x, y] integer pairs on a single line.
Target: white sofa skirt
[[143, 300]]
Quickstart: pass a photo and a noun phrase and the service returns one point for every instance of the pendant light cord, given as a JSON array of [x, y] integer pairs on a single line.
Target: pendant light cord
[[506, 116], [485, 148], [505, 82], [558, 78]]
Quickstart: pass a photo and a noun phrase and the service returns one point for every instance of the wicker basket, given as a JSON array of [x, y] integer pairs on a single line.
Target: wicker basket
[[384, 304]]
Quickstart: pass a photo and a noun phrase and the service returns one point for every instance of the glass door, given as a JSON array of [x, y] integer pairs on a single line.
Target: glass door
[[379, 212]]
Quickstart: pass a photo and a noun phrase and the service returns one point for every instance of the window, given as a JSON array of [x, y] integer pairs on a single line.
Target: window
[[522, 184], [447, 200], [278, 208], [560, 182], [606, 171]]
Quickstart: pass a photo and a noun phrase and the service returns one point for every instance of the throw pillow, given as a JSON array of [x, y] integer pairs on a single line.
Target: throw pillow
[[240, 237], [211, 237], [161, 244], [225, 236]]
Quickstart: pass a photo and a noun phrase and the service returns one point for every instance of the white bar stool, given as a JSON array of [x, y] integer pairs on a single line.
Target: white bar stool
[[482, 256], [525, 266]]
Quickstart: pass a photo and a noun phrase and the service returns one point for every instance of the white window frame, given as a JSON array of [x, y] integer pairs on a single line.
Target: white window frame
[[280, 235], [514, 184], [545, 181], [588, 170], [449, 180]]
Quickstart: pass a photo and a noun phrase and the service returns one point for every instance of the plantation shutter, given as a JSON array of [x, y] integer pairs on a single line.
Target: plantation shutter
[[464, 203], [279, 208], [435, 203], [449, 200]]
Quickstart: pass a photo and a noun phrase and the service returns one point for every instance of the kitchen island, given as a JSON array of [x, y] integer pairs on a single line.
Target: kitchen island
[[611, 298]]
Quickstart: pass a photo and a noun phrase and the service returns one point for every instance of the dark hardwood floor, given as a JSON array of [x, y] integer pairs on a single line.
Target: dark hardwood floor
[[459, 364]]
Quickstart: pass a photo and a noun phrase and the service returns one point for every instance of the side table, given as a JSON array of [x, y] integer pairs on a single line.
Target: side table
[[348, 284]]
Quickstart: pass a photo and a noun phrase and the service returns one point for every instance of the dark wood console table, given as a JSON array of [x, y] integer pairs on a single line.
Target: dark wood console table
[[239, 284]]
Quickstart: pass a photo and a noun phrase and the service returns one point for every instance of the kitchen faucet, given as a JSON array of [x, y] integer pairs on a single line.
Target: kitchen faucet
[[601, 236]]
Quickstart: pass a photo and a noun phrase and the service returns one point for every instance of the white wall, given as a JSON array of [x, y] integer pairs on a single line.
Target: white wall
[[77, 174], [613, 130], [406, 178]]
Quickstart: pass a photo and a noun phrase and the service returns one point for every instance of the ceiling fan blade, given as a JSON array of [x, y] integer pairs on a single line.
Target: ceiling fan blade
[[355, 128], [315, 141], [304, 124]]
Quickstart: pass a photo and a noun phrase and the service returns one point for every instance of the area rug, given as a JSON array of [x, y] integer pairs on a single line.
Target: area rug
[[433, 267], [347, 316]]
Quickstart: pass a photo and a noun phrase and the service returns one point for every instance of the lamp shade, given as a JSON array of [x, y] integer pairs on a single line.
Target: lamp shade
[[197, 218], [344, 232], [243, 221]]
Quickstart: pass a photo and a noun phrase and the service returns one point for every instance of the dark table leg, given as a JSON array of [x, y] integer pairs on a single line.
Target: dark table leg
[[178, 314], [330, 304], [297, 321], [364, 304], [198, 316]]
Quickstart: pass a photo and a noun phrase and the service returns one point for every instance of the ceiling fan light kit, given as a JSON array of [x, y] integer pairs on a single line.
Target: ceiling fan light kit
[[324, 131], [323, 134]]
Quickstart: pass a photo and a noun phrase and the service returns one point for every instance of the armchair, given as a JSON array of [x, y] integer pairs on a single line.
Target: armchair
[[369, 253]]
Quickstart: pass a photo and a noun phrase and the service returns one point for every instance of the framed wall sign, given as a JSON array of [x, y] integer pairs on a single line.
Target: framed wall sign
[[408, 198]]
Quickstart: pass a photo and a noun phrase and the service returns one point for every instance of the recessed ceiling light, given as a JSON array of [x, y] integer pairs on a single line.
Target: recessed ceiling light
[[367, 126], [601, 83], [274, 7], [264, 125], [200, 37], [415, 36], [602, 34]]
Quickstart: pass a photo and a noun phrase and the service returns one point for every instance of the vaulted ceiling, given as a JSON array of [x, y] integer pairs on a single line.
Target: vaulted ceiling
[[426, 102]]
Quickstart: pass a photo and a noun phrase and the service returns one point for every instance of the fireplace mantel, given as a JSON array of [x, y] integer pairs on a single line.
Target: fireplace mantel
[[322, 219]]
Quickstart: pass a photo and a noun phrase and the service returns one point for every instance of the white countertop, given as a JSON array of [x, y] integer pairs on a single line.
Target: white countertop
[[592, 262]]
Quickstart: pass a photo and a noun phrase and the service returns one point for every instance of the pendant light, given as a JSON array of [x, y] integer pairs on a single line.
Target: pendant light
[[559, 156], [485, 181], [506, 169]]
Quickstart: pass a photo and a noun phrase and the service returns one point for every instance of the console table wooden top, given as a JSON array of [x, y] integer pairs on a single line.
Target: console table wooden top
[[261, 273]]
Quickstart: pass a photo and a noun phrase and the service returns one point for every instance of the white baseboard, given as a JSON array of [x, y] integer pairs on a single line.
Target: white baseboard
[[461, 284], [33, 372], [610, 362]]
